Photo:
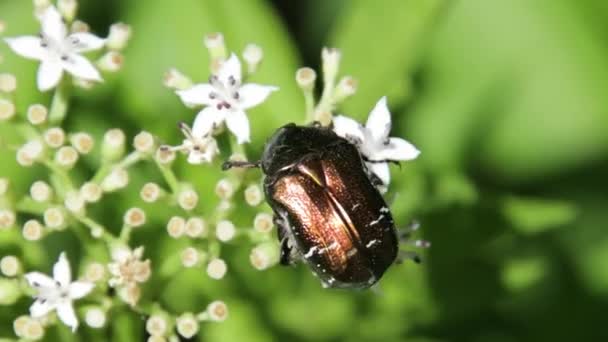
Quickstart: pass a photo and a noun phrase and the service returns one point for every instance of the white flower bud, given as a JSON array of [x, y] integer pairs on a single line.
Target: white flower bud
[[19, 324], [95, 317], [225, 230], [54, 218], [79, 26], [37, 114], [174, 79], [187, 325], [97, 232], [306, 77], [30, 152], [217, 311], [54, 137], [8, 82], [82, 142], [164, 156], [156, 325], [135, 217], [7, 109], [190, 257], [32, 230], [253, 195], [9, 292], [67, 8], [117, 179], [95, 272], [330, 58], [216, 46], [130, 294], [216, 268], [74, 202], [263, 223], [150, 192], [176, 227], [2, 26], [28, 328], [187, 199], [120, 33], [113, 146], [157, 338], [10, 265], [224, 188], [40, 191], [83, 83], [66, 157], [4, 186], [91, 192], [144, 142], [264, 255], [196, 227], [346, 88], [224, 206], [253, 55], [7, 218], [111, 61]]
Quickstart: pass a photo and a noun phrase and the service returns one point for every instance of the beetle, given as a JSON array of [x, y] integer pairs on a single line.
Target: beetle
[[326, 206]]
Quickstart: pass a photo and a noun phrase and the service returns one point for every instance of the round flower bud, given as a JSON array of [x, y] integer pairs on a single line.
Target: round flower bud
[[306, 77], [346, 87], [19, 324], [4, 186], [54, 137], [119, 36], [40, 191], [164, 155], [144, 142], [111, 61], [91, 192], [216, 46], [7, 218], [174, 79], [196, 227], [187, 325], [9, 292], [156, 325], [187, 199], [30, 152], [190, 257], [10, 265], [117, 179], [225, 230], [67, 8], [135, 217], [224, 189], [113, 146], [66, 157], [37, 114], [253, 195], [32, 230], [7, 109], [216, 268], [74, 202], [95, 272], [79, 26], [82, 142], [252, 55], [263, 222], [217, 311], [264, 255], [54, 218], [150, 192], [28, 328], [95, 317], [176, 227], [8, 82], [157, 338]]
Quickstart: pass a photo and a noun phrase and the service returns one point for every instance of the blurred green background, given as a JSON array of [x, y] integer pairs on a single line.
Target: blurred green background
[[507, 100]]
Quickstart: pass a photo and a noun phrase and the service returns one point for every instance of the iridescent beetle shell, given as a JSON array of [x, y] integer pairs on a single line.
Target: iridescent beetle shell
[[328, 211]]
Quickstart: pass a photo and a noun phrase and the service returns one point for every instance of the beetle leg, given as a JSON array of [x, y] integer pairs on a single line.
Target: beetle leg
[[240, 164], [405, 233], [285, 256], [408, 255], [371, 161]]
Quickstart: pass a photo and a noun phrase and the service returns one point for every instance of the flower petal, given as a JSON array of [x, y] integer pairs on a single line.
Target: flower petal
[[349, 129], [252, 94], [49, 75], [39, 280], [84, 41], [381, 170], [379, 121], [40, 308], [27, 46], [79, 289], [197, 94], [61, 270], [66, 314], [81, 68], [231, 67], [238, 124], [206, 121], [52, 24], [397, 149]]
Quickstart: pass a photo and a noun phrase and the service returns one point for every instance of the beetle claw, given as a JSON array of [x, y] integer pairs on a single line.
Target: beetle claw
[[227, 165]]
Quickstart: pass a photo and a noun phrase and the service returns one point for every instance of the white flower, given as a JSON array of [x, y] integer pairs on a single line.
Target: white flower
[[201, 148], [225, 99], [57, 51], [57, 293], [377, 148]]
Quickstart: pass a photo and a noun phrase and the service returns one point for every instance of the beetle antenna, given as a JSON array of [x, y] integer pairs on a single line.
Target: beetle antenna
[[240, 164]]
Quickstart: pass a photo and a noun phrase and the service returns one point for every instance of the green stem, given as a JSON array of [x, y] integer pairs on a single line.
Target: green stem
[[169, 177], [28, 205], [309, 103], [59, 104], [92, 224], [65, 183]]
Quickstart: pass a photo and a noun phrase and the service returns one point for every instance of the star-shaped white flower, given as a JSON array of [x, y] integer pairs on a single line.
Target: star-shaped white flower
[[201, 148], [57, 51], [377, 148], [57, 293], [226, 100]]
